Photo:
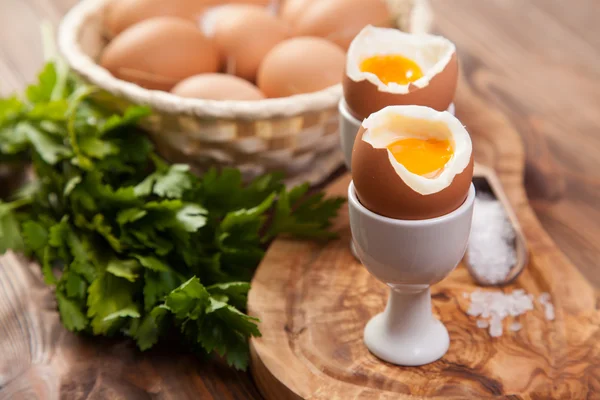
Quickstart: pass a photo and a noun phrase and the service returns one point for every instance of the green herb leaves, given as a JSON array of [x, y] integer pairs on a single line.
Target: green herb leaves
[[135, 246]]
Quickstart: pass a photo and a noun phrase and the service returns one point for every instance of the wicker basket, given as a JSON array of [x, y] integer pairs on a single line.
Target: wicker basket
[[297, 135]]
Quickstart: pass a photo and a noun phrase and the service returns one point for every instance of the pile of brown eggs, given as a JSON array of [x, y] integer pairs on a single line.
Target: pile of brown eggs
[[234, 50]]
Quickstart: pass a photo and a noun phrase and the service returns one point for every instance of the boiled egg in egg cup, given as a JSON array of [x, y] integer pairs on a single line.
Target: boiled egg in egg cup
[[410, 206]]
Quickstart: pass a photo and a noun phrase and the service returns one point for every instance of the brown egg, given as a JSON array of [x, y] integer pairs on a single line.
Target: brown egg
[[300, 65], [340, 20], [291, 9], [389, 188], [159, 52], [435, 56], [217, 87], [108, 15], [121, 14], [262, 3], [245, 34]]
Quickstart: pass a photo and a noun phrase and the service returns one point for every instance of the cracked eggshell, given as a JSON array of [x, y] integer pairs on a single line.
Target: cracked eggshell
[[385, 187], [365, 93]]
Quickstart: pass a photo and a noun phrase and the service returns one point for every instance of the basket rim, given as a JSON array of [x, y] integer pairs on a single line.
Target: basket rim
[[69, 45]]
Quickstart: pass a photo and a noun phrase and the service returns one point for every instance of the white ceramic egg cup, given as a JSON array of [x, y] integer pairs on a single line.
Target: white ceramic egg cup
[[349, 127], [409, 256]]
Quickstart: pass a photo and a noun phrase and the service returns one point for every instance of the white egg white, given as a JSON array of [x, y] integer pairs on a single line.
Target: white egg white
[[432, 54], [402, 122]]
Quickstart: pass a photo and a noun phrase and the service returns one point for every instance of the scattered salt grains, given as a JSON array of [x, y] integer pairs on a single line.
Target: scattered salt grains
[[544, 298], [492, 307], [491, 250], [515, 326], [549, 311], [496, 326]]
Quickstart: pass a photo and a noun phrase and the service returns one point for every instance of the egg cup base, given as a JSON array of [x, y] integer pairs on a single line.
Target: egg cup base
[[407, 333], [348, 128]]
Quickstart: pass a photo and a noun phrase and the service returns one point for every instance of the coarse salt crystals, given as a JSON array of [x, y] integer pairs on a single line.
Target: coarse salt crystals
[[493, 307]]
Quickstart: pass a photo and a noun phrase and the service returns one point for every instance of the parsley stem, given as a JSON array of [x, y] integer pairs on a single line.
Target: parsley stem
[[24, 201], [75, 99]]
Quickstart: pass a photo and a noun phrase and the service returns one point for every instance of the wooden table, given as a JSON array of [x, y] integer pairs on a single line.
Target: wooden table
[[536, 61]]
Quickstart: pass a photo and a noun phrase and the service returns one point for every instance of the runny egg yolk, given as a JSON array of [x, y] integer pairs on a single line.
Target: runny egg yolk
[[423, 157], [392, 68]]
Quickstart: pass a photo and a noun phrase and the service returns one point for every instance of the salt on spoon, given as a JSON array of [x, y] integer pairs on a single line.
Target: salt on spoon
[[497, 251]]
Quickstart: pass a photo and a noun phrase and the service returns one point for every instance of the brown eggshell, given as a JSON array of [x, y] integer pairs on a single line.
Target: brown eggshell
[[300, 65], [340, 20], [381, 190], [217, 87], [363, 98], [291, 9], [262, 3], [244, 35], [121, 14], [159, 52]]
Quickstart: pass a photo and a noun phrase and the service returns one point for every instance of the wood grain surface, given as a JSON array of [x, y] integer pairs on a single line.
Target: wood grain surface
[[536, 61], [314, 301]]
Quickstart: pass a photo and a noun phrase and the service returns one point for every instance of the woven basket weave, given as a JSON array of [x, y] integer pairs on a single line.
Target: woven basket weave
[[297, 135]]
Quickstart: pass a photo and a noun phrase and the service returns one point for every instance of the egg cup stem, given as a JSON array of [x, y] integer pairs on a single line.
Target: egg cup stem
[[406, 332]]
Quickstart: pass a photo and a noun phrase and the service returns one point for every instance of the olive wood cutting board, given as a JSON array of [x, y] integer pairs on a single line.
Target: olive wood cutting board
[[314, 300]]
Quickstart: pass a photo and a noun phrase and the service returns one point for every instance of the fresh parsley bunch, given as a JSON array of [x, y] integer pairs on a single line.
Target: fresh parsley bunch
[[133, 245]]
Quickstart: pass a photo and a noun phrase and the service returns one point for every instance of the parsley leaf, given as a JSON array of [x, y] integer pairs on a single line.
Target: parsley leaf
[[127, 269], [157, 285], [42, 92], [71, 314], [236, 293], [147, 332], [304, 216], [10, 231], [110, 299], [45, 145], [188, 300], [171, 183], [36, 237]]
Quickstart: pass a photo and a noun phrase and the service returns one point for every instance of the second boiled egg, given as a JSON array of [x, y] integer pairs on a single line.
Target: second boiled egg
[[388, 67]]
